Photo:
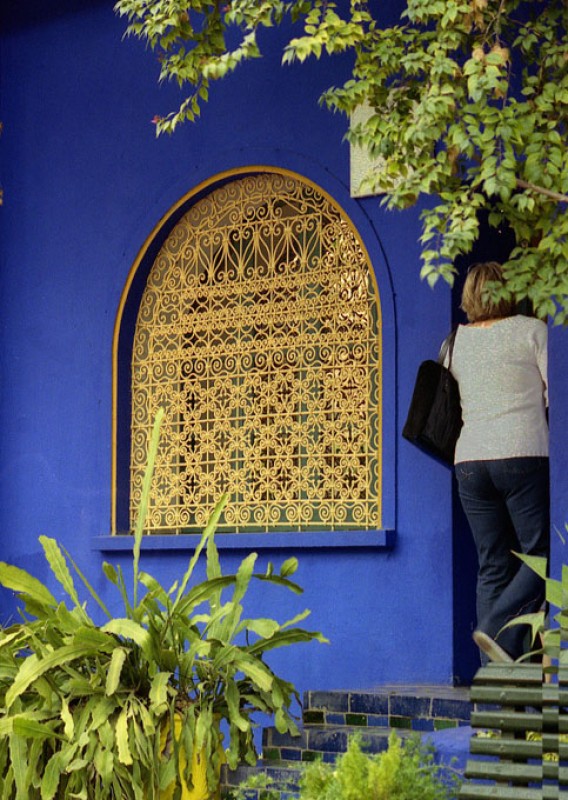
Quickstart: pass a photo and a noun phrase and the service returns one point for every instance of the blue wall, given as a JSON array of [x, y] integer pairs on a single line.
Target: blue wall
[[558, 400], [85, 183]]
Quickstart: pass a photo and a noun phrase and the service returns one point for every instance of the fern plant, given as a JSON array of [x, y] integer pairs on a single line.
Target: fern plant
[[123, 710], [405, 771]]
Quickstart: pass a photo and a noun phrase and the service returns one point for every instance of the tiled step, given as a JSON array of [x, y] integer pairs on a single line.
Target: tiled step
[[329, 718], [282, 780], [418, 708], [324, 742]]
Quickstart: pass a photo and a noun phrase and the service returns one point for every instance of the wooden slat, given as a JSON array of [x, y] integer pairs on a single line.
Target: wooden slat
[[507, 720], [520, 695], [511, 700], [511, 674], [517, 772], [505, 748], [516, 721], [478, 791], [514, 748]]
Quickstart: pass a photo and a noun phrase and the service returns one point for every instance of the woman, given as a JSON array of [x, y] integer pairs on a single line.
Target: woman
[[500, 362]]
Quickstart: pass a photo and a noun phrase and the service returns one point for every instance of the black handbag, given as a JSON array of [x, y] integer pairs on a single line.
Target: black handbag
[[434, 418]]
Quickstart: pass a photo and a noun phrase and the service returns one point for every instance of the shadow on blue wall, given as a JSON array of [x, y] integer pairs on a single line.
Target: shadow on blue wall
[[28, 13]]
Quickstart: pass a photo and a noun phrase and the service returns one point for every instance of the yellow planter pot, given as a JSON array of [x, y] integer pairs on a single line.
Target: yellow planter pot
[[200, 789]]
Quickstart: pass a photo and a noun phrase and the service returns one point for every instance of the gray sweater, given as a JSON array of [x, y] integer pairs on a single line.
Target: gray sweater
[[502, 374]]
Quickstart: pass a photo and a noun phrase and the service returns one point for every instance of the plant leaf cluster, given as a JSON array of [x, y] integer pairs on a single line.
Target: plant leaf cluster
[[468, 103], [549, 639], [405, 771], [88, 711]]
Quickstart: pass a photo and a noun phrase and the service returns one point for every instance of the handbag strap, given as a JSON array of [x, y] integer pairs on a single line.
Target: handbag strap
[[447, 348]]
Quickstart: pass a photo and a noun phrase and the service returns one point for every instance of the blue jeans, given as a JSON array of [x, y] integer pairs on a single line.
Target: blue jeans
[[506, 502]]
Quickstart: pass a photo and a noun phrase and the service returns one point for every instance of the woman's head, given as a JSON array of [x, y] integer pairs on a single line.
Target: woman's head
[[477, 301]]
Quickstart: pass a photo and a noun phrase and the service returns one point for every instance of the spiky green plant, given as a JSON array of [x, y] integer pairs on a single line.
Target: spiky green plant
[[550, 640], [84, 706]]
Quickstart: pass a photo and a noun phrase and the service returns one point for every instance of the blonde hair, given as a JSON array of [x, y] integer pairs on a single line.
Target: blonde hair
[[477, 300]]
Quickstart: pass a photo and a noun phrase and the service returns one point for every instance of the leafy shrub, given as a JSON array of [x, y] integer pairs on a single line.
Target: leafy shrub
[[405, 771]]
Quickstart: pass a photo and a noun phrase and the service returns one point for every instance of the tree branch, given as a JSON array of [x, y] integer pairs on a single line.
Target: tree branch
[[560, 198]]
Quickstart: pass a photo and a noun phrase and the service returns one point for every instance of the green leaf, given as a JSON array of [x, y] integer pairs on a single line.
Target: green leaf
[[120, 583], [285, 638], [244, 575], [207, 590], [110, 573], [289, 567], [262, 627], [104, 764], [232, 697], [204, 723], [7, 638], [18, 580], [207, 534], [257, 672], [538, 564], [18, 761], [144, 497], [155, 589], [33, 667], [159, 692], [51, 776], [278, 581], [535, 621], [124, 755], [114, 671], [67, 718], [101, 708], [281, 720], [96, 597], [128, 629], [59, 567], [298, 618], [213, 565], [32, 729]]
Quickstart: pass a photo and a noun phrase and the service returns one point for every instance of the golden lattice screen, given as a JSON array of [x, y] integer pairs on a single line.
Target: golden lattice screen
[[259, 333]]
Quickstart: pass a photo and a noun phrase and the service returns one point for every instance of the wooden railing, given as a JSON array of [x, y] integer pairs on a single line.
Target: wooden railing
[[519, 750]]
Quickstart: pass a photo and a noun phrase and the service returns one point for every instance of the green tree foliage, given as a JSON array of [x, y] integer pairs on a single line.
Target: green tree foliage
[[468, 100]]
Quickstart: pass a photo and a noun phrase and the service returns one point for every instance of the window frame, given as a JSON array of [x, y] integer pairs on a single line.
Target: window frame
[[121, 385]]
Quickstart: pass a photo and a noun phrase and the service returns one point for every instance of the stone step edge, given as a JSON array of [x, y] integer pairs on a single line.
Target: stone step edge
[[285, 777], [322, 707], [369, 727], [323, 743], [285, 773]]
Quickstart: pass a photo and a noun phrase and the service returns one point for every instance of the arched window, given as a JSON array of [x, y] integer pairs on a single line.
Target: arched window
[[259, 332]]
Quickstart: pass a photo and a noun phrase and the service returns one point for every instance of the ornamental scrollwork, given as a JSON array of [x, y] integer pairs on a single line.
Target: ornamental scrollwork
[[259, 333]]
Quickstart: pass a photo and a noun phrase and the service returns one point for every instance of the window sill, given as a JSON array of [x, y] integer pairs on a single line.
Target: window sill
[[251, 541]]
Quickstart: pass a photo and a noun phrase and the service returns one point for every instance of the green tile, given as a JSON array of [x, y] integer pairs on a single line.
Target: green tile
[[356, 719], [309, 755], [271, 754], [313, 718], [441, 724], [400, 722]]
